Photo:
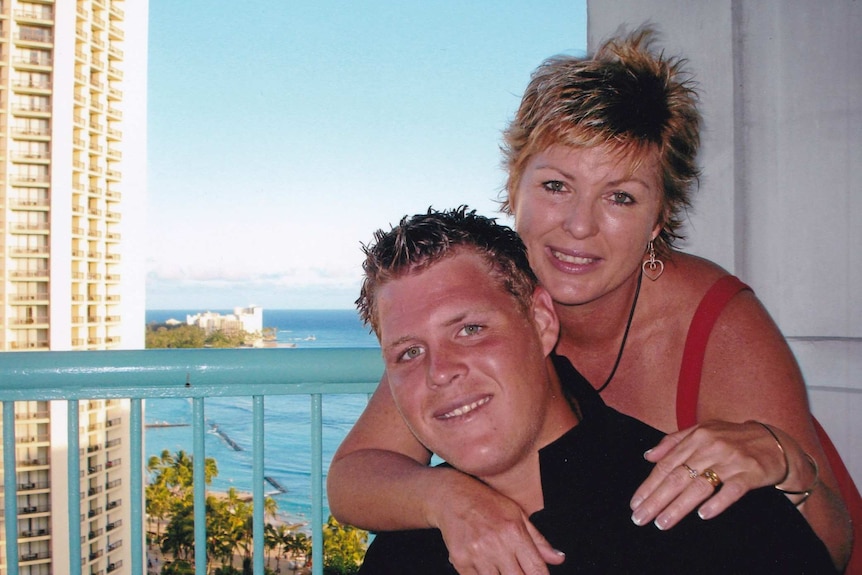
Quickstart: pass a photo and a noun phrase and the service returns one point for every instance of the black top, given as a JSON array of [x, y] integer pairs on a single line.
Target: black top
[[588, 477]]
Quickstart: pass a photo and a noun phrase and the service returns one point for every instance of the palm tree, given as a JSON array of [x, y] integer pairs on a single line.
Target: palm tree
[[271, 542], [170, 494], [179, 539], [297, 545]]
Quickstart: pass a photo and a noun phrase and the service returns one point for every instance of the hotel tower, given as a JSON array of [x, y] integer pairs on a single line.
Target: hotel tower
[[72, 187]]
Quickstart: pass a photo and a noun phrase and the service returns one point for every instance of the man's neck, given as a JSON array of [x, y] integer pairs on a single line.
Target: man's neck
[[523, 482]]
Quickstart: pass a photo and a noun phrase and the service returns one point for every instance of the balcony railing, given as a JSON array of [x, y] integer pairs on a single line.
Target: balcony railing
[[194, 374]]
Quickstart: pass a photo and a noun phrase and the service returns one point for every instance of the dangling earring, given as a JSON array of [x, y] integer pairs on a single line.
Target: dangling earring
[[652, 268]]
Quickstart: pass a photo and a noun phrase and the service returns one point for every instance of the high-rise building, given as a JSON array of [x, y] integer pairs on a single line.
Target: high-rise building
[[72, 199]]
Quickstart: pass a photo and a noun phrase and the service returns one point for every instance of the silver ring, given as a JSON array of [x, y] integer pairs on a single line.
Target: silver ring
[[693, 473]]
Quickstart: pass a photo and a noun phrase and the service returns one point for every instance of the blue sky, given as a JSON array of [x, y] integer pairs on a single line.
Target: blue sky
[[283, 133]]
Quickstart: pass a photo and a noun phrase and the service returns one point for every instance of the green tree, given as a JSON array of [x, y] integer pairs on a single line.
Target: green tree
[[181, 336], [225, 527], [297, 545], [343, 548], [219, 338], [179, 539]]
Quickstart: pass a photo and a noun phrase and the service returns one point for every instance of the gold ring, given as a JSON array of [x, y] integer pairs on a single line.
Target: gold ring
[[712, 477], [691, 472]]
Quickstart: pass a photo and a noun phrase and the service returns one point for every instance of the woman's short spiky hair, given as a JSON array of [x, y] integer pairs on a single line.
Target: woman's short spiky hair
[[419, 241], [626, 97]]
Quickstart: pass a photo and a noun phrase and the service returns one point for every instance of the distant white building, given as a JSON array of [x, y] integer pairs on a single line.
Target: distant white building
[[248, 319]]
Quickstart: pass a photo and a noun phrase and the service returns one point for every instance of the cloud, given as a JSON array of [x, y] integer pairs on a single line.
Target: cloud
[[208, 286]]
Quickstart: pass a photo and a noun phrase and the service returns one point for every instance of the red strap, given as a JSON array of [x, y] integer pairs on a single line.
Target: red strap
[[688, 387], [711, 306]]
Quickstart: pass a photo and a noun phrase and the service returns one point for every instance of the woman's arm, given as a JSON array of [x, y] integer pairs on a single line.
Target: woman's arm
[[749, 374], [379, 479]]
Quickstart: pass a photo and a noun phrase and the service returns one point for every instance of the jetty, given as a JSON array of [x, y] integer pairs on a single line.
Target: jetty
[[274, 482], [233, 444]]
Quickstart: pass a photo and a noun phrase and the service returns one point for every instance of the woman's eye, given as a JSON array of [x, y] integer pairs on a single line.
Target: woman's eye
[[471, 329], [622, 198], [554, 186], [412, 353]]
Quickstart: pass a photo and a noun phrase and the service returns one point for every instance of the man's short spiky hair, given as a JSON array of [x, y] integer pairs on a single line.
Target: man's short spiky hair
[[419, 241]]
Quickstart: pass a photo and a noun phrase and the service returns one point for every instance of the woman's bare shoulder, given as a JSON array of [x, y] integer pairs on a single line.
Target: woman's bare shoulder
[[688, 279]]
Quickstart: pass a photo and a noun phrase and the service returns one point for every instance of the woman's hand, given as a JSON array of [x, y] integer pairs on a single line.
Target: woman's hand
[[741, 457], [487, 533]]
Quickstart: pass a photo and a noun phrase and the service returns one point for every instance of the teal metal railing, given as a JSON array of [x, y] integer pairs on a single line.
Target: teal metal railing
[[194, 374]]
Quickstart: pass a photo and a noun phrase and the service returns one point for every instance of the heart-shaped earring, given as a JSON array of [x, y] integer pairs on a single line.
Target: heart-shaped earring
[[652, 268]]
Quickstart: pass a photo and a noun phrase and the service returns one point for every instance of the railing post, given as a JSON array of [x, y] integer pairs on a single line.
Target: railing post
[[136, 447], [199, 463], [257, 484], [10, 480], [317, 484], [73, 462]]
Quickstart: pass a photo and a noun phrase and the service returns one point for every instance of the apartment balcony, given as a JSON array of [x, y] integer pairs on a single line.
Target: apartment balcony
[[36, 17], [32, 110], [29, 298], [39, 204], [29, 323], [33, 158], [117, 12], [30, 228], [115, 33], [40, 38], [31, 134], [28, 252], [97, 63], [41, 345], [40, 62], [195, 375], [29, 275], [30, 180]]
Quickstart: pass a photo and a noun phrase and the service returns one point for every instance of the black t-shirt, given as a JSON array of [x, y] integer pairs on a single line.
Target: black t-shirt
[[588, 477]]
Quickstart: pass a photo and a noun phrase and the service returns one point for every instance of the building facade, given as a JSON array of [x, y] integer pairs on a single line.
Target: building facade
[[72, 191]]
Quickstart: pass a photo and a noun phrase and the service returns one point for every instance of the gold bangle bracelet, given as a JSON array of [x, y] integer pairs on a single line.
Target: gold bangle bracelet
[[780, 448], [806, 493]]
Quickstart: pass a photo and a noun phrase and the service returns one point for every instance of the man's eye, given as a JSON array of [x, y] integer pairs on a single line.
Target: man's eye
[[412, 353], [471, 329]]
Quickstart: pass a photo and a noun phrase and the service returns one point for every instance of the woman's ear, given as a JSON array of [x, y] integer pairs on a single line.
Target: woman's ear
[[546, 320]]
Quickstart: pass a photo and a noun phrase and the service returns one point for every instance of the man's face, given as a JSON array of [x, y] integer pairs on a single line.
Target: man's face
[[466, 366]]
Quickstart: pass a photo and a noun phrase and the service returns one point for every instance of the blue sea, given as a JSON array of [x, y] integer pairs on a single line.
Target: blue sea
[[286, 419]]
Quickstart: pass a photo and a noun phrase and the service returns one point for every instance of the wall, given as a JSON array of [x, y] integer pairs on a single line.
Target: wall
[[779, 204]]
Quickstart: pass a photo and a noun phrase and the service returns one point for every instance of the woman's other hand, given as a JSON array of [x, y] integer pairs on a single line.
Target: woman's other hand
[[486, 533], [740, 457]]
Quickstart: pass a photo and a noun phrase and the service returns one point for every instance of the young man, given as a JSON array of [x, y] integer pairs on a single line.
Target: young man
[[467, 338]]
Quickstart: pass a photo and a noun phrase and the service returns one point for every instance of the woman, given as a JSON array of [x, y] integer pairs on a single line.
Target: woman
[[601, 160]]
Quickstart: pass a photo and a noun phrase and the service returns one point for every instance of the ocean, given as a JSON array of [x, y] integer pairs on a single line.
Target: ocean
[[287, 451]]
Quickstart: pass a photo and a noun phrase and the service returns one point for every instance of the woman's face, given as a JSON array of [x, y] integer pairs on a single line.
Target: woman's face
[[586, 218]]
